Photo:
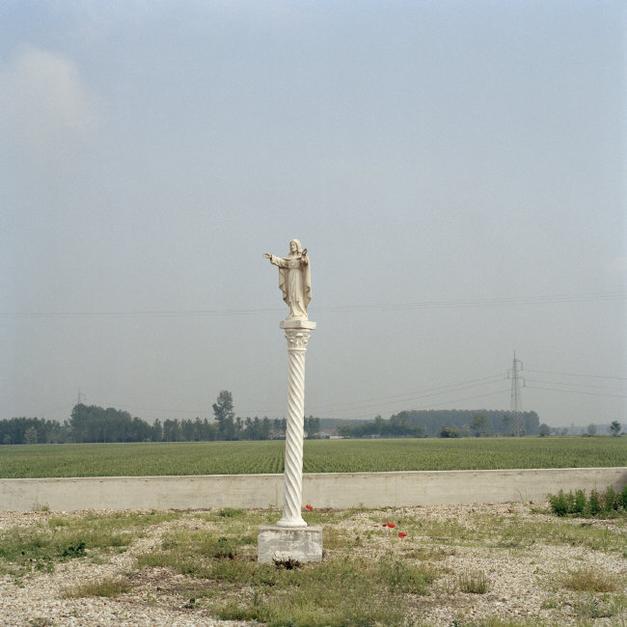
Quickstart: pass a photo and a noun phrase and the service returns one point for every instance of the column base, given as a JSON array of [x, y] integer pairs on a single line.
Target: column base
[[293, 524], [303, 544]]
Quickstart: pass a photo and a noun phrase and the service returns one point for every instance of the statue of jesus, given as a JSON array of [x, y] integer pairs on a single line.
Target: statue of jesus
[[294, 279]]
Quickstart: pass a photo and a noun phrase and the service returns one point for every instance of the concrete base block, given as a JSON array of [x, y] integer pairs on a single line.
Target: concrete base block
[[303, 544]]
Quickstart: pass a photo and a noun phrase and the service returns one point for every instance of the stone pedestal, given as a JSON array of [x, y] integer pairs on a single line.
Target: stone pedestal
[[280, 544]]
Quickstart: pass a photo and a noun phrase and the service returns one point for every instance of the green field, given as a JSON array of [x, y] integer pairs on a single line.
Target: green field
[[196, 458]]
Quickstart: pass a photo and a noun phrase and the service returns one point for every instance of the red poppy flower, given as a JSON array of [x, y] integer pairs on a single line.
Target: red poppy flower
[[390, 525], [402, 534], [309, 508]]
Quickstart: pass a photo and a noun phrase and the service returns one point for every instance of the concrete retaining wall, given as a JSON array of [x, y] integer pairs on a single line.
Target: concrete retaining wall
[[336, 490]]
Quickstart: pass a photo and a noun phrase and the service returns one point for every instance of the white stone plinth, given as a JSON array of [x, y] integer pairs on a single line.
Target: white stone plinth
[[280, 543]]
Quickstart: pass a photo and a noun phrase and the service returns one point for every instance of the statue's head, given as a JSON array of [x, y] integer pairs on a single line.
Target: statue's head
[[295, 246]]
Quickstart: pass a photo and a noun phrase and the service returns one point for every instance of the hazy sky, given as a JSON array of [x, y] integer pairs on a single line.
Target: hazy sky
[[456, 170]]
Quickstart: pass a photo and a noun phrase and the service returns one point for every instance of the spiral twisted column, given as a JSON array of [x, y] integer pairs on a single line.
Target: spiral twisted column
[[297, 333]]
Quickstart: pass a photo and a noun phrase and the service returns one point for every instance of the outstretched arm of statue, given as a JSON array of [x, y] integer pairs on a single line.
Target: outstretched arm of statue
[[304, 258], [275, 261]]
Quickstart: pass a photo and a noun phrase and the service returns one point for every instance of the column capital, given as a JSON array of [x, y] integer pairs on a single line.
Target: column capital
[[297, 333], [309, 325]]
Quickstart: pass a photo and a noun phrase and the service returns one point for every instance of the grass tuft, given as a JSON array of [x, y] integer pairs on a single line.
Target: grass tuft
[[473, 582], [589, 580], [401, 576], [230, 512], [107, 587]]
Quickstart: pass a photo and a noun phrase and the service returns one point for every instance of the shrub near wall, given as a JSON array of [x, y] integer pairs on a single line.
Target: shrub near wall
[[595, 504]]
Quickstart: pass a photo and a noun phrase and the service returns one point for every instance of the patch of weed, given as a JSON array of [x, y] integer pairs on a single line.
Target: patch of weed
[[107, 587], [589, 580], [74, 550], [550, 604], [203, 543], [67, 537], [447, 531], [200, 566], [247, 518], [183, 564], [603, 606], [427, 554], [473, 582], [516, 531], [223, 549], [336, 593], [401, 576], [230, 512], [499, 622], [330, 516], [287, 564], [335, 538]]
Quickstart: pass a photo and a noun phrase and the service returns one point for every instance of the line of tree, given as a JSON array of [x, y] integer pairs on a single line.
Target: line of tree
[[91, 423], [32, 431], [448, 423]]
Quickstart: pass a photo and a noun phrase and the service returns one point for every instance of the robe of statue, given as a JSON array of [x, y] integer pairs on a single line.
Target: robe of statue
[[295, 282]]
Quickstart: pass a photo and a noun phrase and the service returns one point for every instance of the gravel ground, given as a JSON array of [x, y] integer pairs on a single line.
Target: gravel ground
[[37, 601], [522, 580]]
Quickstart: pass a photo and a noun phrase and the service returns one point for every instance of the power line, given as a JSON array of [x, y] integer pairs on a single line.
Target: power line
[[441, 389], [136, 313], [615, 296], [572, 374], [387, 404], [342, 406], [535, 387], [467, 398], [428, 406], [518, 300], [572, 385], [348, 405], [431, 406]]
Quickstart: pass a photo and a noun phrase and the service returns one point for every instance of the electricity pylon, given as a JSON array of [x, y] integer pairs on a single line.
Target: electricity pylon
[[516, 394]]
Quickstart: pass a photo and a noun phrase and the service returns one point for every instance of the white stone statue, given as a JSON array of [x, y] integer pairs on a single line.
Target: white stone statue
[[294, 279]]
